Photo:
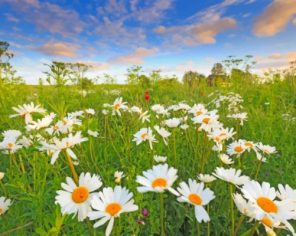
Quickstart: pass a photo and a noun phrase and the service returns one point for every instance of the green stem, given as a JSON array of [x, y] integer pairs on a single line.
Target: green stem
[[209, 224], [231, 210], [72, 168], [162, 215], [240, 221], [258, 168]]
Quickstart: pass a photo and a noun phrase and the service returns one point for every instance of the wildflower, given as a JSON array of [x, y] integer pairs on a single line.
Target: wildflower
[[41, 123], [145, 212], [163, 133], [90, 111], [264, 199], [26, 110], [198, 109], [236, 148], [109, 204], [93, 133], [195, 194], [239, 116], [158, 179], [147, 96], [63, 145], [172, 123], [118, 175], [2, 175], [144, 134], [144, 116], [160, 158], [118, 105], [4, 205], [10, 143], [159, 110], [231, 175], [207, 121], [286, 193], [225, 159], [266, 149], [75, 198], [206, 178]]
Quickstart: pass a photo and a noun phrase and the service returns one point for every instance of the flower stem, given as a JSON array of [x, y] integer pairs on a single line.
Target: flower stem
[[162, 215], [240, 221], [231, 210], [209, 224], [72, 168]]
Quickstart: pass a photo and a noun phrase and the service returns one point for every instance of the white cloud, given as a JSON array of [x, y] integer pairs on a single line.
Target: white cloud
[[275, 18]]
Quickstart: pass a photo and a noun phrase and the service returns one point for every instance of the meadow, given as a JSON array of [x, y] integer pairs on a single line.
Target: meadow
[[31, 181]]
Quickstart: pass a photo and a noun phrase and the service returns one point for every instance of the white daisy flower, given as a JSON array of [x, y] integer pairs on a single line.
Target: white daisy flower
[[118, 175], [160, 158], [286, 193], [41, 123], [266, 149], [236, 148], [118, 105], [144, 134], [63, 145], [226, 159], [231, 175], [195, 194], [172, 123], [26, 110], [4, 205], [159, 109], [109, 204], [75, 198], [244, 206], [93, 133], [163, 133], [10, 142], [158, 179], [198, 109], [263, 198], [206, 178]]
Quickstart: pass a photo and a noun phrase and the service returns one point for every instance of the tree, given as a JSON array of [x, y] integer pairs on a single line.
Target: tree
[[7, 72], [58, 74], [216, 72], [109, 79], [78, 71], [192, 79]]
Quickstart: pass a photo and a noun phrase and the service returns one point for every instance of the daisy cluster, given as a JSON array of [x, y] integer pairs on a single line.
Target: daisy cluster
[[85, 195]]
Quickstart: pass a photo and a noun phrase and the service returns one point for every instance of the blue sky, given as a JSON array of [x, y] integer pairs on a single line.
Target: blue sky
[[171, 35]]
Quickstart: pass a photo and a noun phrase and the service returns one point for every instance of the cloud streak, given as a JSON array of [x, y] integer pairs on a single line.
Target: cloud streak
[[275, 18]]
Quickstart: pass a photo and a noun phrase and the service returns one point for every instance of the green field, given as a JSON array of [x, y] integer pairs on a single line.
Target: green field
[[31, 181]]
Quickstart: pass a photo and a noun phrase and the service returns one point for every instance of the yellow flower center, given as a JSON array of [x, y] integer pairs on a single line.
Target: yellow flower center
[[1, 211], [266, 221], [206, 120], [80, 194], [9, 145], [159, 182], [198, 113], [144, 136], [267, 205], [238, 149], [113, 208], [195, 199], [116, 106], [248, 144]]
